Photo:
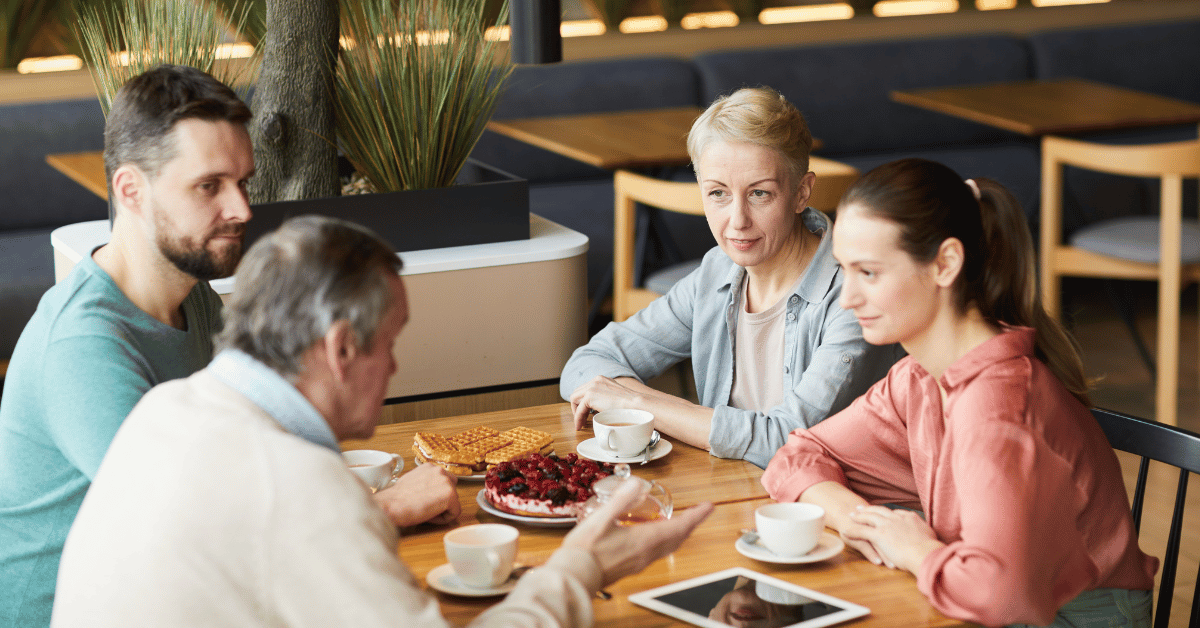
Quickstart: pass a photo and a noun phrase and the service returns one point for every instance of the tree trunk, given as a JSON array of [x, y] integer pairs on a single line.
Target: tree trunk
[[293, 125]]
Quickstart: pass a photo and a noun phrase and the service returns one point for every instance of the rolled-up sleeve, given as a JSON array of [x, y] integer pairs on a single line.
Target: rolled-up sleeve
[[651, 341], [1021, 554], [864, 447]]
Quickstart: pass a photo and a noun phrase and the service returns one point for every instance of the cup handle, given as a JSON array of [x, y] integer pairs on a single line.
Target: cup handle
[[608, 442], [397, 467], [493, 558]]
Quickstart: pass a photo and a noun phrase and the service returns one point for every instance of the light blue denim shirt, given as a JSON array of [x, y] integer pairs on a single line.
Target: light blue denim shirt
[[275, 395], [826, 362]]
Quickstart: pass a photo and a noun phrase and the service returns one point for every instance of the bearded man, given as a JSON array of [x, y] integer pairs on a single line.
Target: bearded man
[[137, 312]]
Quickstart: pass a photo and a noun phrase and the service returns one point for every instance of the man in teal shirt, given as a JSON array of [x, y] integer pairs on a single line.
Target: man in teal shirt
[[135, 313]]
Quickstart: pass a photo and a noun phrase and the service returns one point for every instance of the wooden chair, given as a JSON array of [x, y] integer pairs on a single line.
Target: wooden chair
[[1126, 248], [1173, 446], [833, 178]]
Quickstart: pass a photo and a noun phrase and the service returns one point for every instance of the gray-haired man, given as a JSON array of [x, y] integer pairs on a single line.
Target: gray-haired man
[[223, 500]]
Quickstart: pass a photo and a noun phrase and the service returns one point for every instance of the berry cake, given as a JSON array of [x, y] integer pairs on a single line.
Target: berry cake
[[543, 486]]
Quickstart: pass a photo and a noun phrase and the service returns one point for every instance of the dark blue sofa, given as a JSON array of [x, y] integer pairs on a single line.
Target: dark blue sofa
[[37, 199]]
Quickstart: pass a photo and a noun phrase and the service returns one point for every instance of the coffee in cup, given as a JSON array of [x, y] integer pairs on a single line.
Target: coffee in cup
[[790, 529], [375, 468], [623, 432], [482, 555]]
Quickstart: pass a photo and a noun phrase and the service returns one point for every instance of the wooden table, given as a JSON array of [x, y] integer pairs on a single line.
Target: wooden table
[[1051, 107], [645, 138], [86, 169], [692, 476], [624, 139]]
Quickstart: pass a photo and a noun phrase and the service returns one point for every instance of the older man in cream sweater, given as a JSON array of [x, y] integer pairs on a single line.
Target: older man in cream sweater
[[224, 500]]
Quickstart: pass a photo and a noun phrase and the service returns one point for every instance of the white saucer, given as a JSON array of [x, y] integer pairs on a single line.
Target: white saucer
[[592, 450], [829, 546], [445, 580], [543, 522]]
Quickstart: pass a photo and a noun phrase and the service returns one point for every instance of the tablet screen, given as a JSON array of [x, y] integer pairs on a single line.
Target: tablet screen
[[745, 599]]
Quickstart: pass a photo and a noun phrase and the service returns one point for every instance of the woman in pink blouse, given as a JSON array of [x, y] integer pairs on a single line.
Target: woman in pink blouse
[[984, 427]]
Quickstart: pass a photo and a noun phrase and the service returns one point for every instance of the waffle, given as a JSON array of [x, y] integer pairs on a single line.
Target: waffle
[[480, 448], [456, 469], [471, 452], [434, 447], [525, 441], [472, 435]]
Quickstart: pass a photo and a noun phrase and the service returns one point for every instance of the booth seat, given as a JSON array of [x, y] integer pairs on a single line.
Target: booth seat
[[35, 199]]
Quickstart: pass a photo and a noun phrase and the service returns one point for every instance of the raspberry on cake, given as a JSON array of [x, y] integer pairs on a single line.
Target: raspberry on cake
[[543, 486]]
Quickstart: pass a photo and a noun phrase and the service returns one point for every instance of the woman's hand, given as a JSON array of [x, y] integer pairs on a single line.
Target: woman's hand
[[901, 538], [602, 393]]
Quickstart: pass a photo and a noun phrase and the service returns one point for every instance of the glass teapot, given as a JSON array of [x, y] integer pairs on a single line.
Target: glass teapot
[[657, 504]]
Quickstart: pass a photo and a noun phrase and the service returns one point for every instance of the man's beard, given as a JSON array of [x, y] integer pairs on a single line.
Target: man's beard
[[196, 260]]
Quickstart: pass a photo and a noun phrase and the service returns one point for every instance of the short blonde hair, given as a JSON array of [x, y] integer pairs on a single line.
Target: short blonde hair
[[755, 115]]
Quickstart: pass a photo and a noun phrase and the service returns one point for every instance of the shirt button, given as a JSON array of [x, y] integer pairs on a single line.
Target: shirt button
[[846, 359], [795, 299], [791, 317]]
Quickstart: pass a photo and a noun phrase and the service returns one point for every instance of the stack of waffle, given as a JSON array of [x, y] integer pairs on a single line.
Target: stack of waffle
[[473, 451]]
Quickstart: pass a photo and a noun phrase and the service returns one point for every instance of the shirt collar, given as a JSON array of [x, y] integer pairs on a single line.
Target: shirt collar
[[1014, 342], [818, 277], [275, 395]]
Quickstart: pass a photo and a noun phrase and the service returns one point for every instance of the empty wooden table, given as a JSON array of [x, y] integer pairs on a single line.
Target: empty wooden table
[[623, 139], [1050, 107], [645, 138]]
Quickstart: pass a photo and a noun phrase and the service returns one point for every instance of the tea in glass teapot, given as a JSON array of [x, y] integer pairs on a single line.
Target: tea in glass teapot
[[657, 504]]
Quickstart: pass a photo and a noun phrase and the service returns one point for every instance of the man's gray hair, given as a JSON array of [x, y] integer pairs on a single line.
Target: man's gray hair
[[296, 282]]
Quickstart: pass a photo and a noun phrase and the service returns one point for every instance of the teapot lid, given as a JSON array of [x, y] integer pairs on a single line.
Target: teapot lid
[[621, 473]]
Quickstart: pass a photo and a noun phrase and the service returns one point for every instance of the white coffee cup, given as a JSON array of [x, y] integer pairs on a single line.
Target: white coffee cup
[[375, 468], [790, 529], [482, 555], [623, 432]]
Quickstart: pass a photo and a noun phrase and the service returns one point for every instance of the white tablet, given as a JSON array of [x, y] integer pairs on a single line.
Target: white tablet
[[740, 597]]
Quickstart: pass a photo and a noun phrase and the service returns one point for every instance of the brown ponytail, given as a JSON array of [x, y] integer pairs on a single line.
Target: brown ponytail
[[930, 203]]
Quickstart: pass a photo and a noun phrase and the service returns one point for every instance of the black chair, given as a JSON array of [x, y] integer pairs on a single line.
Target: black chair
[[1178, 448]]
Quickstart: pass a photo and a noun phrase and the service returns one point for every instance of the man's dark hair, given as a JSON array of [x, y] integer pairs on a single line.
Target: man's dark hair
[[146, 108]]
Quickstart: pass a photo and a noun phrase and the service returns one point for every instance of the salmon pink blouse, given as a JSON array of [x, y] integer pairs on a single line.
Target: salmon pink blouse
[[1013, 474]]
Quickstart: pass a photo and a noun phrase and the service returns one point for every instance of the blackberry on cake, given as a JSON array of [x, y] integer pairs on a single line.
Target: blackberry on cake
[[543, 486]]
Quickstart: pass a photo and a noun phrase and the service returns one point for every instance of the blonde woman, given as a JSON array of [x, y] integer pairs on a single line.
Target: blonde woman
[[984, 426], [771, 350]]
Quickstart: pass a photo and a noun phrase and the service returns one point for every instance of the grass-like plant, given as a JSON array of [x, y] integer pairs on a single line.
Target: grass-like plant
[[254, 26], [416, 83], [20, 22], [123, 38]]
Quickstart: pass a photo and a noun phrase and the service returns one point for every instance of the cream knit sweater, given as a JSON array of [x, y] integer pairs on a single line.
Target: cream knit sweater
[[205, 512]]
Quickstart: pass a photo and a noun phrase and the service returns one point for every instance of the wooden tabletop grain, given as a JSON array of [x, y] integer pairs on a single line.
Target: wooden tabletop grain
[[85, 168], [622, 139], [693, 476], [1048, 107]]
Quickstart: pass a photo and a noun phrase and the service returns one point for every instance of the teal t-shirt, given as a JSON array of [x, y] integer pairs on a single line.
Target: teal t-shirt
[[84, 360]]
